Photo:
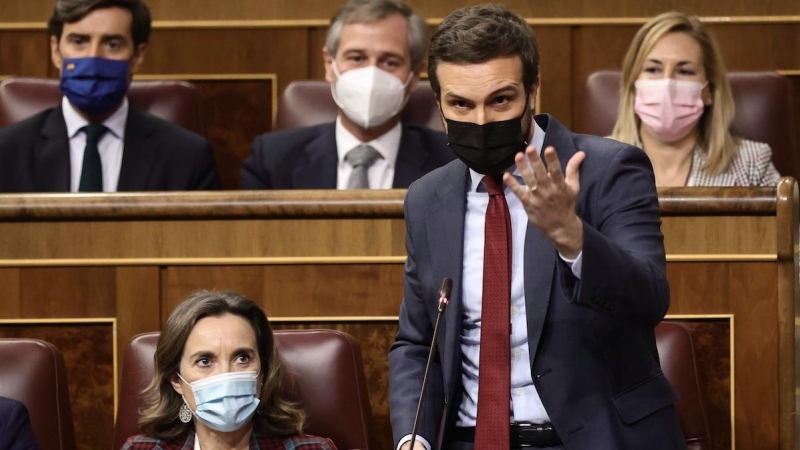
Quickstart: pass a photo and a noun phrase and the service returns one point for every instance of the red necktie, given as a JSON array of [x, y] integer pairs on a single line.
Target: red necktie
[[494, 376]]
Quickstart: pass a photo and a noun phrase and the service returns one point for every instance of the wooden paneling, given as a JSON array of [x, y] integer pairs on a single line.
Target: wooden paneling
[[316, 41], [39, 10], [708, 235], [10, 306], [24, 53], [712, 340], [137, 300], [298, 290], [794, 78], [335, 259], [88, 351], [67, 292], [759, 47], [203, 239], [556, 67], [596, 48], [281, 51], [234, 113], [716, 288]]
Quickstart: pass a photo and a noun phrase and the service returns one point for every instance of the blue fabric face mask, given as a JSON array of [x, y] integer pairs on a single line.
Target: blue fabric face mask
[[94, 85], [227, 401]]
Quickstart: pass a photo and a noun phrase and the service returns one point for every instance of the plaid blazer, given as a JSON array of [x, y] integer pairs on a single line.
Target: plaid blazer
[[752, 166], [186, 442]]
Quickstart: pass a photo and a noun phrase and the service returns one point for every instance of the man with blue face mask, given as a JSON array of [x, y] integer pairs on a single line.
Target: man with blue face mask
[[373, 56], [94, 141]]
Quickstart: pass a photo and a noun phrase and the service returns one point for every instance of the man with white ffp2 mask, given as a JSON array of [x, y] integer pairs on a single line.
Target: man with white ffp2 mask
[[373, 55]]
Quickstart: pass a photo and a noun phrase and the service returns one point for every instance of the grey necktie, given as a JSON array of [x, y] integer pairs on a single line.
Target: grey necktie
[[361, 158]]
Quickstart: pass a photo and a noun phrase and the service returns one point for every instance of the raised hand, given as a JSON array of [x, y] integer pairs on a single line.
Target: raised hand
[[549, 197]]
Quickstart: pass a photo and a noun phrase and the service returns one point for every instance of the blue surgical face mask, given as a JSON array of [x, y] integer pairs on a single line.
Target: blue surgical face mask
[[94, 85], [225, 402]]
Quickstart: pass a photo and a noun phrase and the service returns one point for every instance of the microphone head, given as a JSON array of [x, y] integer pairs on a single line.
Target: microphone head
[[446, 289]]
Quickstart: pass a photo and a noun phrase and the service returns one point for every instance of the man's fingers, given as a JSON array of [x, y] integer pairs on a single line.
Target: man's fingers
[[553, 165], [574, 165], [539, 171], [524, 167], [514, 186]]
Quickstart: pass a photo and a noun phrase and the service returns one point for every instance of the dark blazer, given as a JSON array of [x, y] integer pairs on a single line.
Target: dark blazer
[[306, 158], [157, 156], [592, 346], [15, 426]]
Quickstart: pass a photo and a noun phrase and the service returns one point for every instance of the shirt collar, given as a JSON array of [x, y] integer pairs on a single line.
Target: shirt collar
[[388, 144], [537, 141], [115, 122]]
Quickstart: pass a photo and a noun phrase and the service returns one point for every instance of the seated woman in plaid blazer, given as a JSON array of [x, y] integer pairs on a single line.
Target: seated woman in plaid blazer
[[218, 383], [676, 104]]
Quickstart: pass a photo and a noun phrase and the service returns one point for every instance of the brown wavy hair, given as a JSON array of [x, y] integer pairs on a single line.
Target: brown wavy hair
[[276, 413]]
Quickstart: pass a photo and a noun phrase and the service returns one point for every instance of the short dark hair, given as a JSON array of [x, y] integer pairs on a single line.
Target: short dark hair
[[476, 34], [71, 11]]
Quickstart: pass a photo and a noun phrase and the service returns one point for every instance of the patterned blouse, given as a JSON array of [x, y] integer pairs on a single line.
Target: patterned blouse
[[752, 166], [186, 442]]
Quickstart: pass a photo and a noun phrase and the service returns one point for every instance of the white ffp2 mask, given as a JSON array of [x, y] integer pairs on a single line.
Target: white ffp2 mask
[[369, 96]]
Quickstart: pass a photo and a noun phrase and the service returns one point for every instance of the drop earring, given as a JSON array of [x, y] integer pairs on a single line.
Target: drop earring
[[185, 414]]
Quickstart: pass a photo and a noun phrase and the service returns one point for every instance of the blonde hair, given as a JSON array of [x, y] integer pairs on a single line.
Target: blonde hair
[[276, 414], [714, 127]]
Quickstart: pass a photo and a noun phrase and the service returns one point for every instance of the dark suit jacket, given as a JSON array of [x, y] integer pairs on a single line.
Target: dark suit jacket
[[15, 426], [592, 346], [306, 158], [157, 156]]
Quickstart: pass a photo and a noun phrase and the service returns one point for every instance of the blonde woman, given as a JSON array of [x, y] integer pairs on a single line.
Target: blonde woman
[[218, 383], [676, 104]]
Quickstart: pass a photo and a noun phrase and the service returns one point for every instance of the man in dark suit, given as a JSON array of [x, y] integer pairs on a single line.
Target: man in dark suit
[[15, 426], [94, 141], [373, 56], [566, 245]]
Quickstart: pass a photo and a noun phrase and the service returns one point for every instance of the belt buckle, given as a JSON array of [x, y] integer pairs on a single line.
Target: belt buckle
[[523, 429], [526, 431]]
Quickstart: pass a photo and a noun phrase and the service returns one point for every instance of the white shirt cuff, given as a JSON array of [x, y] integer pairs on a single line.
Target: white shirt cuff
[[574, 264], [420, 439]]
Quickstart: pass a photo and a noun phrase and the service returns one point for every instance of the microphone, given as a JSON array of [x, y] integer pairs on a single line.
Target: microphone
[[444, 299]]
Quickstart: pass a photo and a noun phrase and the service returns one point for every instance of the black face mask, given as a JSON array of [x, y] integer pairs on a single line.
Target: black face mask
[[488, 149]]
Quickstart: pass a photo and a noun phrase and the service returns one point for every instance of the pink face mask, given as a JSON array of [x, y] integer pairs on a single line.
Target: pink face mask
[[669, 108]]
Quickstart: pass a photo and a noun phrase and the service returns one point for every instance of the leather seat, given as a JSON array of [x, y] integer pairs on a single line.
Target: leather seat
[[330, 380], [33, 372], [678, 363], [764, 112], [310, 102], [174, 101]]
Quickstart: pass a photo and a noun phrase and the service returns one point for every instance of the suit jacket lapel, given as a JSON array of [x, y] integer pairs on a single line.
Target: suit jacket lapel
[[51, 154], [411, 159], [317, 168], [445, 228], [138, 153], [540, 254]]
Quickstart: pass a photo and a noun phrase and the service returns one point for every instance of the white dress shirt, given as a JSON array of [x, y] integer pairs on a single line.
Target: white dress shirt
[[526, 406], [110, 145], [381, 173]]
